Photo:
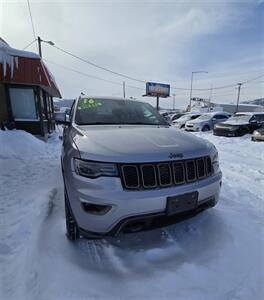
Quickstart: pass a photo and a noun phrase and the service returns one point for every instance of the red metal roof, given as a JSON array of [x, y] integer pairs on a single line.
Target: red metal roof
[[22, 67]]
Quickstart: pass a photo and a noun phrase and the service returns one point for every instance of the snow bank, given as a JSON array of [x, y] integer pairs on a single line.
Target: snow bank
[[217, 255], [18, 143]]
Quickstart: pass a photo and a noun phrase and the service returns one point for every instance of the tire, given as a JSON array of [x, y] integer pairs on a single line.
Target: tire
[[206, 128], [72, 230]]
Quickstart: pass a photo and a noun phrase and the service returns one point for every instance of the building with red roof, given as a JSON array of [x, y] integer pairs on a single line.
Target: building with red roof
[[27, 89]]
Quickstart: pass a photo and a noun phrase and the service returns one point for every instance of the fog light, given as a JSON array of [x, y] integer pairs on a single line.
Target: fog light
[[96, 209]]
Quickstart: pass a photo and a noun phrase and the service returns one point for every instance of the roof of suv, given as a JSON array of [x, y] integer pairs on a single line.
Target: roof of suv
[[250, 113]]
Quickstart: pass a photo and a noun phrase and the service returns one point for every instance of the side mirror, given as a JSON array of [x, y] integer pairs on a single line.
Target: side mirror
[[62, 118], [213, 119]]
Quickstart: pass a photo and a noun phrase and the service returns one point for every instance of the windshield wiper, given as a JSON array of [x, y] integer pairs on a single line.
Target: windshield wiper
[[142, 123], [119, 123], [98, 123]]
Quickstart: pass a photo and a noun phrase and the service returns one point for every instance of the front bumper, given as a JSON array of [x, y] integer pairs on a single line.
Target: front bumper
[[226, 132], [126, 204], [192, 128], [257, 137], [149, 221]]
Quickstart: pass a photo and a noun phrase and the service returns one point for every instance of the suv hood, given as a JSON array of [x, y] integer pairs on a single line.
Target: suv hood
[[130, 143], [235, 122]]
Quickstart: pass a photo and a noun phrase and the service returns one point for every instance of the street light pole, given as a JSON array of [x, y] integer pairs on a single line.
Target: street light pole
[[173, 105], [124, 89], [190, 104], [238, 95], [194, 72], [39, 45]]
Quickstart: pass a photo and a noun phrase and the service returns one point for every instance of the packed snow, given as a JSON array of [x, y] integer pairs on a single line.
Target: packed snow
[[216, 255]]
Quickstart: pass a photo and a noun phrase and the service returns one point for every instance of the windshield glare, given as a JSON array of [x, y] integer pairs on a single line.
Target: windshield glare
[[184, 118], [92, 111], [204, 117], [239, 118]]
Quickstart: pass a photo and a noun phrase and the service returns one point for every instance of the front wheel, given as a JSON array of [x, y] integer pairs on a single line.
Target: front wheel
[[72, 230], [206, 128]]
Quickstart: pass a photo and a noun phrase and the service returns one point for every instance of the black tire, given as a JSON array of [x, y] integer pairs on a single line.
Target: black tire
[[206, 128], [72, 230]]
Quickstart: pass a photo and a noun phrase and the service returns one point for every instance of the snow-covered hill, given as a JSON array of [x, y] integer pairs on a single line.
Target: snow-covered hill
[[217, 255], [255, 102]]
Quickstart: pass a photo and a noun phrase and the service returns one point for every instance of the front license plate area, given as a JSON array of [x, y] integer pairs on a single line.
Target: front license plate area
[[182, 203]]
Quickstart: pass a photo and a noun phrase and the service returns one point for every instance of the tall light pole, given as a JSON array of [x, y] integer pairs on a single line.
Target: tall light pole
[[124, 89], [42, 41], [173, 105], [194, 72], [238, 95]]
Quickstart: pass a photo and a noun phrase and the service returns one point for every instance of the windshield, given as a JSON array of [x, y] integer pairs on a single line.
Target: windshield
[[184, 118], [205, 117], [92, 111], [240, 118]]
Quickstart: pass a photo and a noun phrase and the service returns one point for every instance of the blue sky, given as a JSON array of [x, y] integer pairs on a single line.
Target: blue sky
[[151, 40]]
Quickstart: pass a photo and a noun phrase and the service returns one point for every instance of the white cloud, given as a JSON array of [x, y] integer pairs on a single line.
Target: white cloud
[[146, 39]]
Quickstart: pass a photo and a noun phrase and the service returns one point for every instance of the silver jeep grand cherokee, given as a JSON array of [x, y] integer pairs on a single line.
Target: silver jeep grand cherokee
[[125, 169]]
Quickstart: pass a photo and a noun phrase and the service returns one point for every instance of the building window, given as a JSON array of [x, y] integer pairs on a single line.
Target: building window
[[23, 104]]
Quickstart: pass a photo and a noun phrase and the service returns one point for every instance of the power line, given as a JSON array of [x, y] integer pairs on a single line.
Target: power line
[[253, 79], [29, 44], [97, 66], [144, 81], [32, 24], [92, 76]]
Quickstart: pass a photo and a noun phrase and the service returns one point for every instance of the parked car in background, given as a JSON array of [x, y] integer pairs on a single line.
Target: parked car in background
[[258, 134], [206, 121], [166, 116], [176, 116], [180, 123], [240, 124], [125, 169]]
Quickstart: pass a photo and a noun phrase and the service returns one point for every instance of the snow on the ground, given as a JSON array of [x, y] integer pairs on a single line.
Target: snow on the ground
[[217, 255]]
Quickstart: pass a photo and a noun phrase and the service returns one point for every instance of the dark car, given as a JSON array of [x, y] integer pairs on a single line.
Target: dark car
[[240, 124]]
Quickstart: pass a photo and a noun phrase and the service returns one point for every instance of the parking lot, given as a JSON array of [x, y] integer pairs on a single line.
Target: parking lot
[[216, 255]]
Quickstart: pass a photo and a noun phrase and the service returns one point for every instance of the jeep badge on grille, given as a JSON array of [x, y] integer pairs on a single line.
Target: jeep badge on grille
[[175, 155]]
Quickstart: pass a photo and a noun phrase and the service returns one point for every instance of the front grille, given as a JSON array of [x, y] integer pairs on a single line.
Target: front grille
[[164, 174], [148, 174]]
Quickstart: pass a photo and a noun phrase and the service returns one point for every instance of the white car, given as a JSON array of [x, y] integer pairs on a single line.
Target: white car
[[206, 121], [180, 123]]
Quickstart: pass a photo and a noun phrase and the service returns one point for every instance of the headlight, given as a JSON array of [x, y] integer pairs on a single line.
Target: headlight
[[215, 160], [93, 169], [256, 133]]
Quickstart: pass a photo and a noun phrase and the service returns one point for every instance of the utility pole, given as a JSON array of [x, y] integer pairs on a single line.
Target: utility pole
[[210, 97], [194, 72], [173, 106], [124, 89], [157, 102], [39, 46], [238, 95], [42, 41], [190, 104]]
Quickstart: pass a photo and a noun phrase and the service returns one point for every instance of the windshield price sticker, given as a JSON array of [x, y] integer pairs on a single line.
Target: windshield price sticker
[[89, 103]]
